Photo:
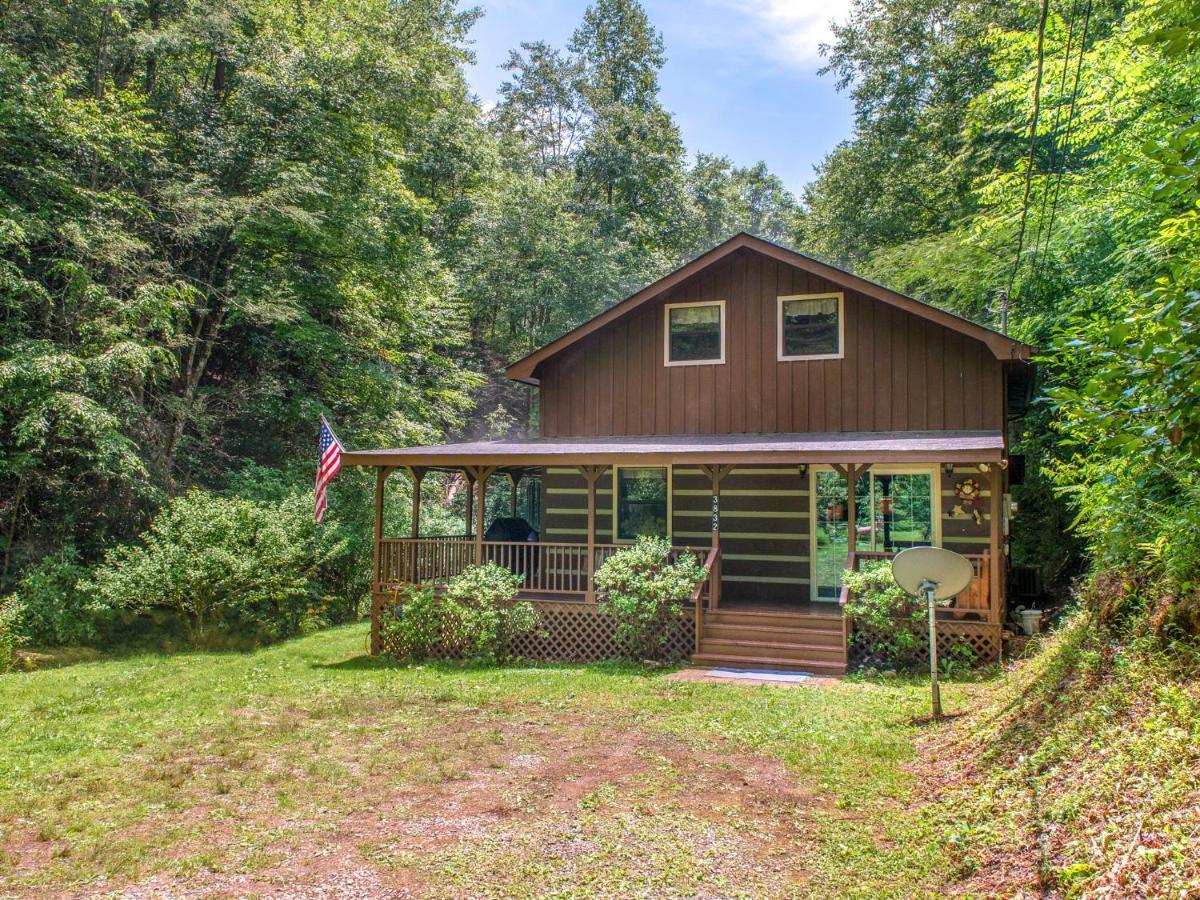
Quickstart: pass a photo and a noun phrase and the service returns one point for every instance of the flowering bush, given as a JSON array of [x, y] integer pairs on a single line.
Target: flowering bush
[[475, 618], [644, 593]]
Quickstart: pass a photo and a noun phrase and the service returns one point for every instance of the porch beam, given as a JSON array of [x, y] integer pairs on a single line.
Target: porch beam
[[591, 474]]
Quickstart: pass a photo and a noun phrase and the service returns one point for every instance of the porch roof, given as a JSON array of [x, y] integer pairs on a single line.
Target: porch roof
[[747, 449]]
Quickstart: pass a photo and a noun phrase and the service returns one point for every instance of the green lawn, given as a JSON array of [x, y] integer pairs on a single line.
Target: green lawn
[[311, 762]]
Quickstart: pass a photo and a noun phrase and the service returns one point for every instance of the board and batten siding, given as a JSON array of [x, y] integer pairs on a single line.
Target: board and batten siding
[[898, 372], [765, 523]]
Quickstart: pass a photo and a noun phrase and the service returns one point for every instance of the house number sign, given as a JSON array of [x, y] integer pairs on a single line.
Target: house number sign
[[716, 515]]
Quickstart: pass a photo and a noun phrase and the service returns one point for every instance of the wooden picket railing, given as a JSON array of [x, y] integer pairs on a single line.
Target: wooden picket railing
[[972, 603], [545, 568]]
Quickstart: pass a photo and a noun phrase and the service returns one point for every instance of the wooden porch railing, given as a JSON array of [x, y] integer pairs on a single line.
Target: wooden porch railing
[[973, 603], [707, 591], [546, 568]]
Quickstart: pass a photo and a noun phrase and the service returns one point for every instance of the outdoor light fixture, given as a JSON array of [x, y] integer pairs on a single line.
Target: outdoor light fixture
[[948, 469], [803, 470]]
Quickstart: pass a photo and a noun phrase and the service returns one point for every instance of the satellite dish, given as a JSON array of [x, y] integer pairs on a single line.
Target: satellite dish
[[917, 567]]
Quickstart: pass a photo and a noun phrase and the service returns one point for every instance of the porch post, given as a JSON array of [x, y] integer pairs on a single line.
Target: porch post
[[995, 531], [851, 473], [483, 473], [591, 475], [381, 475], [470, 501], [716, 474], [514, 478], [418, 475]]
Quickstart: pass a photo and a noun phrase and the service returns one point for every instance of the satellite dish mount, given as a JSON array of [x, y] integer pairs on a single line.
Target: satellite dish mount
[[935, 574]]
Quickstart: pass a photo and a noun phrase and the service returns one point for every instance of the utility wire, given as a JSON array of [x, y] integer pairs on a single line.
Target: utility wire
[[1062, 167], [1058, 109], [1033, 123]]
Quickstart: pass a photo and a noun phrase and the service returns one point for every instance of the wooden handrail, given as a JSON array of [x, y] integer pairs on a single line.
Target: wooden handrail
[[709, 564]]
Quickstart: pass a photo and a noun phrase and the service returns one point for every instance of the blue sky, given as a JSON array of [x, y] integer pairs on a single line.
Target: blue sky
[[741, 75]]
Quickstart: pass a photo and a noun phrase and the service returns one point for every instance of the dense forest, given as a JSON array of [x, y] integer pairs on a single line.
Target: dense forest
[[221, 219]]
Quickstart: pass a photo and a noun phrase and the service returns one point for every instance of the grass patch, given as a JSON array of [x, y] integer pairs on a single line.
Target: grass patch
[[1079, 774], [310, 762]]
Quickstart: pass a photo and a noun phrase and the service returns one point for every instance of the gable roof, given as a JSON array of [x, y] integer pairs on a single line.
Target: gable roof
[[1002, 346]]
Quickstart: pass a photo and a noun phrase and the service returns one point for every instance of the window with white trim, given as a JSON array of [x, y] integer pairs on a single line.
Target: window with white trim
[[641, 496], [695, 333], [811, 326]]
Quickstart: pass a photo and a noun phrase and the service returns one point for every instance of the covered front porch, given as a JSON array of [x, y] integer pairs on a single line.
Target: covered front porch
[[772, 554]]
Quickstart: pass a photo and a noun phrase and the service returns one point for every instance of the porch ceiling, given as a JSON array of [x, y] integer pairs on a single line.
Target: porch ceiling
[[745, 449]]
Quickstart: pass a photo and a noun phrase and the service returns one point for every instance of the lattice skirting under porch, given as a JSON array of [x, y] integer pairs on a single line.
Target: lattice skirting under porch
[[581, 632], [983, 638], [571, 632]]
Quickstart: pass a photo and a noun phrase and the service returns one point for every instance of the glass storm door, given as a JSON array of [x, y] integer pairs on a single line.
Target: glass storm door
[[832, 545], [901, 506], [893, 511]]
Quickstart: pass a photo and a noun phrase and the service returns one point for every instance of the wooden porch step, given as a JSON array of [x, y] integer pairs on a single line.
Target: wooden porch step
[[780, 648], [816, 635], [721, 661], [784, 620]]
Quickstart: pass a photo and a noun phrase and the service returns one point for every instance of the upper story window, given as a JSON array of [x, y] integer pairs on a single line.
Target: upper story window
[[811, 326], [695, 333]]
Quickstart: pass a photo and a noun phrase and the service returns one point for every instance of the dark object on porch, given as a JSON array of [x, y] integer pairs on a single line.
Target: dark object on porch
[[513, 530], [507, 528]]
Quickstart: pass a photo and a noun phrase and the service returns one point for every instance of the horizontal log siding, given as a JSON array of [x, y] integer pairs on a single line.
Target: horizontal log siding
[[765, 529], [899, 372], [765, 536], [564, 506], [960, 532]]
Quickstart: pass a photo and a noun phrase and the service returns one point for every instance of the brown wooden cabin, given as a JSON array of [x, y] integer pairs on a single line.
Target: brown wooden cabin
[[730, 406]]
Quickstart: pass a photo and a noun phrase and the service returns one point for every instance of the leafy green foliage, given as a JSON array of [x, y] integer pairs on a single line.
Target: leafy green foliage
[[644, 592], [929, 197], [54, 611], [233, 570], [474, 618], [10, 636], [894, 622]]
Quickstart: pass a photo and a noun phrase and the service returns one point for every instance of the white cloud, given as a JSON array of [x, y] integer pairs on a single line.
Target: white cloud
[[792, 30]]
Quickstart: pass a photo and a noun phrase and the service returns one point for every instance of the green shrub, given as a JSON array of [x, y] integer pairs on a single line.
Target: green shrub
[[10, 614], [235, 571], [474, 618], [54, 611], [893, 623], [645, 592]]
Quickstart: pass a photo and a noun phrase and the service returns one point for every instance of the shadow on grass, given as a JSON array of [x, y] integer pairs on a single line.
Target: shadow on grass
[[365, 662], [362, 662]]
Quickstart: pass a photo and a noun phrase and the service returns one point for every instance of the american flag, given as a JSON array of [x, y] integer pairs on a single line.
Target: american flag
[[329, 461]]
